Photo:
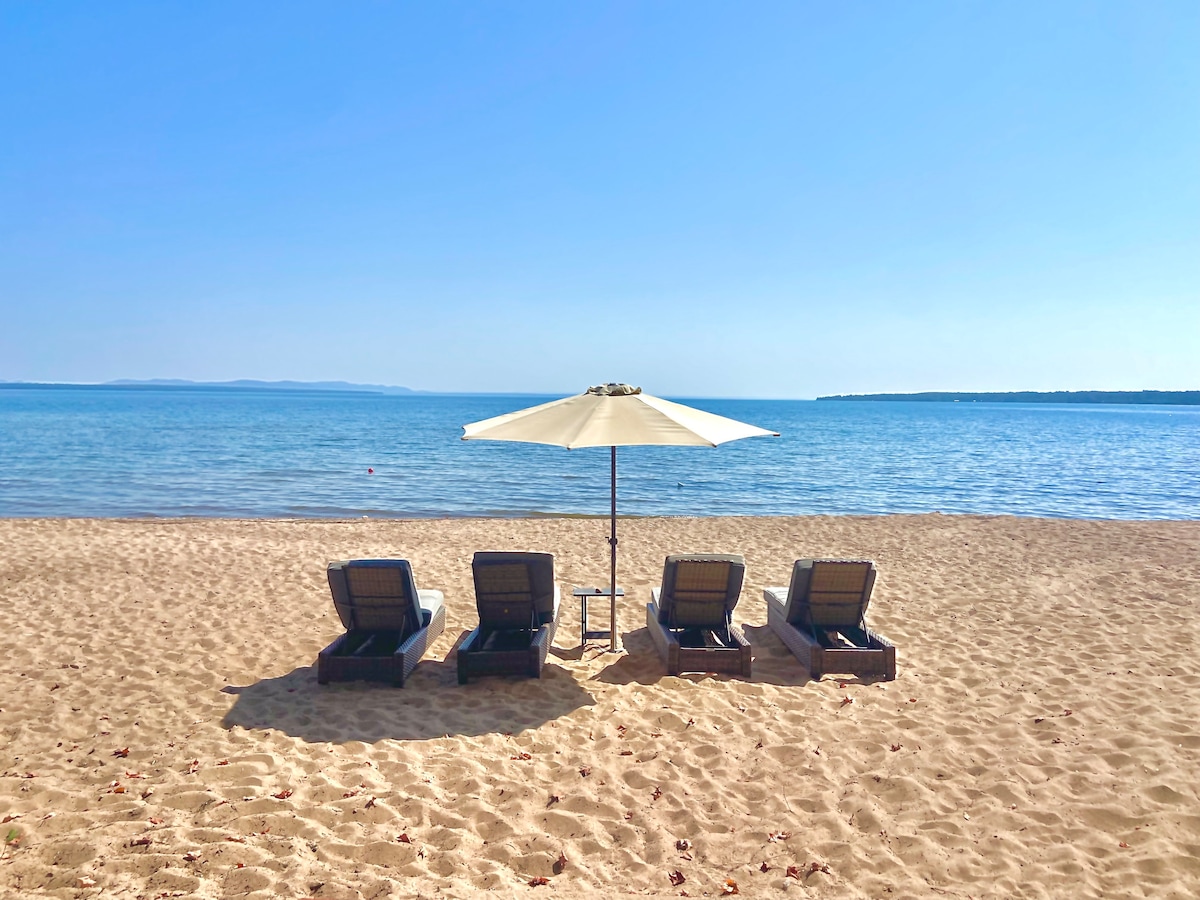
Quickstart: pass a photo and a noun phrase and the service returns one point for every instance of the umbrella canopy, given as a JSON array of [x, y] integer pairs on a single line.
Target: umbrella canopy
[[613, 415]]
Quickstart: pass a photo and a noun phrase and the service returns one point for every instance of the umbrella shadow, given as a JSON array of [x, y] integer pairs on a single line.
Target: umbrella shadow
[[639, 664], [432, 704]]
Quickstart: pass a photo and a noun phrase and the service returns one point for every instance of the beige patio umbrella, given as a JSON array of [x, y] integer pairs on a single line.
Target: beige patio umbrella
[[613, 415]]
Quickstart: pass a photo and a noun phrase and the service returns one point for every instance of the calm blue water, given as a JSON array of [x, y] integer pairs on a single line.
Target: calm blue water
[[144, 452]]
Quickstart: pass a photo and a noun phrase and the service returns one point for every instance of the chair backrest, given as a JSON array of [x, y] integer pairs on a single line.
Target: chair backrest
[[700, 590], [513, 590], [375, 595], [829, 593]]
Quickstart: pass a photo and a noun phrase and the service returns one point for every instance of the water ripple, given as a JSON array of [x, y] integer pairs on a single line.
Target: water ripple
[[248, 454]]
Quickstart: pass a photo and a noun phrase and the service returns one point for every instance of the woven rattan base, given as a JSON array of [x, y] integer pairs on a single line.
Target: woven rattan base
[[734, 660], [377, 655], [877, 659]]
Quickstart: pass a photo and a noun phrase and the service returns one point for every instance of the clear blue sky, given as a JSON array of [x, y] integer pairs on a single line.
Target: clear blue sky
[[706, 199]]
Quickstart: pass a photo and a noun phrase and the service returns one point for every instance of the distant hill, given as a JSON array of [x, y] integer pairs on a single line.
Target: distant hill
[[250, 384], [1179, 398]]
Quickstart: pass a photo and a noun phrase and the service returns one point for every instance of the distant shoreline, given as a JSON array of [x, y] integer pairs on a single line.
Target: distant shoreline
[[1167, 398], [1145, 398]]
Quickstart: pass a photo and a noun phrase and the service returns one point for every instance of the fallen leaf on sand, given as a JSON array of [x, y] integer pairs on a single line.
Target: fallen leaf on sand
[[560, 863], [554, 798], [764, 867], [10, 818], [522, 755], [154, 820], [192, 855], [818, 867], [143, 841], [896, 747], [122, 753], [84, 881], [657, 793], [775, 837], [222, 762], [683, 844], [194, 767], [676, 878], [846, 701], [370, 804], [626, 753], [793, 872], [1123, 845], [538, 880], [585, 771], [730, 887], [283, 795], [404, 838], [235, 838]]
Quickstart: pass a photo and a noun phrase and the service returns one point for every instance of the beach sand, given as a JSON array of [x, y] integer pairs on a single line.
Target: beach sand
[[162, 733]]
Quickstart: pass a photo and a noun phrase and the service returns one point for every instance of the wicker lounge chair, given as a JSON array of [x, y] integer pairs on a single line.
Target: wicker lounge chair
[[821, 617], [389, 623], [518, 602], [690, 617]]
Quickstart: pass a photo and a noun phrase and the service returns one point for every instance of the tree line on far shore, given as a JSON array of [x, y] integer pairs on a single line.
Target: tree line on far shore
[[1173, 398]]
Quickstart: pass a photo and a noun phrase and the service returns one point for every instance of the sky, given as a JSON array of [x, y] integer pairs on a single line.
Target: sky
[[772, 200]]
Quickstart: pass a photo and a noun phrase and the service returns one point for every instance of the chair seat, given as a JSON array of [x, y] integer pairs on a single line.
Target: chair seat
[[843, 648], [389, 622], [518, 602], [690, 616]]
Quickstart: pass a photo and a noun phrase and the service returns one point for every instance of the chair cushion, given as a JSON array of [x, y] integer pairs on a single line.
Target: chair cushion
[[375, 595], [522, 583], [700, 590], [829, 593]]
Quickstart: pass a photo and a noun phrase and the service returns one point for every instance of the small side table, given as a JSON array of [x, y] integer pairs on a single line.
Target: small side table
[[583, 594]]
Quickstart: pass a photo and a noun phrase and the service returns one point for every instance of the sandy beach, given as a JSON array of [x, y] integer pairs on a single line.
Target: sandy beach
[[163, 733]]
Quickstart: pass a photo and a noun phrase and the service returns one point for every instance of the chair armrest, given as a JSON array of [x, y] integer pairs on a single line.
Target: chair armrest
[[776, 594], [430, 602]]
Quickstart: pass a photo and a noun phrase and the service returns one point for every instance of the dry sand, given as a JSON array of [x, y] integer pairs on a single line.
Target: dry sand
[[1042, 738]]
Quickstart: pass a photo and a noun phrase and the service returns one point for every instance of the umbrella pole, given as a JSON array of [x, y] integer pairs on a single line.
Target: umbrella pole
[[612, 580]]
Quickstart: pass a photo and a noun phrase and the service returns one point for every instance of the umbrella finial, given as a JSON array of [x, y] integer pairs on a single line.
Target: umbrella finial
[[614, 390]]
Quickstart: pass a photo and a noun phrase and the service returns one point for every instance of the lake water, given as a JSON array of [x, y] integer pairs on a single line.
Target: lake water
[[196, 452]]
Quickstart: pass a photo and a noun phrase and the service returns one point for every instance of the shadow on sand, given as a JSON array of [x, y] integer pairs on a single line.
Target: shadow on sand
[[431, 705]]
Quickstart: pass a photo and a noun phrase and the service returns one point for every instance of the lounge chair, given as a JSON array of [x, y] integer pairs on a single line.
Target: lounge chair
[[518, 602], [389, 623], [821, 617], [690, 617]]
